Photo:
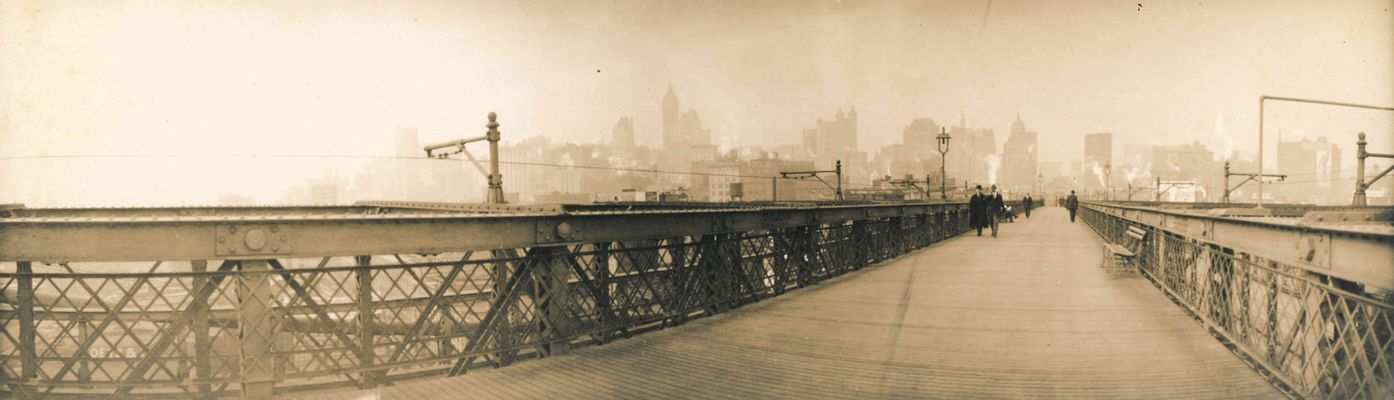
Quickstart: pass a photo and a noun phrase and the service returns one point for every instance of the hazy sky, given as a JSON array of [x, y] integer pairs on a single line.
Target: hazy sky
[[338, 77]]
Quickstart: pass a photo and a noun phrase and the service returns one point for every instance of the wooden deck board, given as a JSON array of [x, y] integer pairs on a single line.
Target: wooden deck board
[[1029, 314]]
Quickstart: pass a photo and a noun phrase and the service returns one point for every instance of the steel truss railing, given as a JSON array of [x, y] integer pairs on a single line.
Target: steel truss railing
[[1313, 335], [270, 325]]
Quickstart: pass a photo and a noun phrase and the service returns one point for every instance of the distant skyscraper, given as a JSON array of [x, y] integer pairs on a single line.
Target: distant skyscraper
[[969, 152], [1187, 162], [684, 140], [837, 139], [682, 129], [810, 140], [672, 132], [1098, 155], [622, 136], [920, 135], [1098, 149], [1314, 167], [692, 130], [1019, 159]]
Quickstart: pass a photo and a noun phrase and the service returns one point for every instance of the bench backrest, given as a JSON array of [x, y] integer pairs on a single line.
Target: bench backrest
[[1136, 233]]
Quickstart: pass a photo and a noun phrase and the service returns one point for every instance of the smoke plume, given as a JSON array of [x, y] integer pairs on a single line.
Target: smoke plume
[[993, 162]]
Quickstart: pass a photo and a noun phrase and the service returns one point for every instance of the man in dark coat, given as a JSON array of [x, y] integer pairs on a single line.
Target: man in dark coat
[[977, 210], [1026, 205], [1072, 204], [995, 208]]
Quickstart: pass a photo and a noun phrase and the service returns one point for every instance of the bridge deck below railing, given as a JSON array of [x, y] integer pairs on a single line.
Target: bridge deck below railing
[[1029, 314]]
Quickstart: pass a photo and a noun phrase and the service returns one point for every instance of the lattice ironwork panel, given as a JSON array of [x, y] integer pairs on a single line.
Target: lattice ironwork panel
[[217, 327], [1322, 337]]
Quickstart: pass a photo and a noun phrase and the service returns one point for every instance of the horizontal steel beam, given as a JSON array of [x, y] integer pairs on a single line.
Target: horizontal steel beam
[[274, 234], [1351, 253], [467, 207]]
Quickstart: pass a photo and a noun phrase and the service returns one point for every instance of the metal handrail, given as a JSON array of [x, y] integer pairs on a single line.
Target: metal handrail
[[1270, 309], [249, 325]]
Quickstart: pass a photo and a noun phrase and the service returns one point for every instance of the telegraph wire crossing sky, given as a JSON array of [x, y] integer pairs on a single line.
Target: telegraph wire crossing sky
[[340, 78]]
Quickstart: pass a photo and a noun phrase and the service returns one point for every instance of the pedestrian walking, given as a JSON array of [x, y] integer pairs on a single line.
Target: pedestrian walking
[[1026, 203], [1072, 204], [977, 210], [995, 209]]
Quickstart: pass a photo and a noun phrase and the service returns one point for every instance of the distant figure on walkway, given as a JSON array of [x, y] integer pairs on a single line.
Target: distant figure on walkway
[[995, 209], [1026, 204], [1072, 204], [977, 210]]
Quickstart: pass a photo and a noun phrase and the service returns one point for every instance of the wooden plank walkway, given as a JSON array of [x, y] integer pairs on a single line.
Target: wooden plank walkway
[[1027, 315]]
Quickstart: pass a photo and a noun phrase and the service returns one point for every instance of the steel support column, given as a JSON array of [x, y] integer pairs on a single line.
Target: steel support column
[[552, 298], [503, 334], [367, 318], [604, 306], [23, 387], [256, 332], [203, 346]]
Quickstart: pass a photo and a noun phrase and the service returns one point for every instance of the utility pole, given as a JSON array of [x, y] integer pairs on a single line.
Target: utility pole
[[910, 183], [774, 189], [1248, 178], [1360, 183], [1359, 196], [1172, 186], [927, 188], [839, 180], [837, 190], [495, 193]]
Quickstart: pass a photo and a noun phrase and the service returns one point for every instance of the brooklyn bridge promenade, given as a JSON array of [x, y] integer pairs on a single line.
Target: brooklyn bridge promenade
[[417, 301], [1028, 314]]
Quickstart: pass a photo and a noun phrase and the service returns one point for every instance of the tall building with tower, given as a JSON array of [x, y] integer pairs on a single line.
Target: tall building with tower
[[672, 134], [838, 135], [835, 139], [681, 130], [685, 141]]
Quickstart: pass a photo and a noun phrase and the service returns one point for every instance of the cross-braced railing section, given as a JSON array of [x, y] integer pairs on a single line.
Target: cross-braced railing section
[[256, 327], [1318, 336]]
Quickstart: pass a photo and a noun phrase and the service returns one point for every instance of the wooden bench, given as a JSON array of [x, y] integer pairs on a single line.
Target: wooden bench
[[1123, 255]]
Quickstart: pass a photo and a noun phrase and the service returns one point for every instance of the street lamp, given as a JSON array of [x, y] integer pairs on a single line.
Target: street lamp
[[1108, 170], [943, 149]]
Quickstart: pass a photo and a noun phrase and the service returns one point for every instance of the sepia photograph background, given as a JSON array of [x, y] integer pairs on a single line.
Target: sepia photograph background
[[147, 103]]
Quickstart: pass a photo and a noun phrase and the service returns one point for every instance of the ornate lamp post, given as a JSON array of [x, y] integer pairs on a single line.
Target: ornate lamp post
[[943, 149], [1108, 170]]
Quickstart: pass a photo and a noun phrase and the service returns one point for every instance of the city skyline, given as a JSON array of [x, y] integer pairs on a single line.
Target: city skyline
[[338, 80], [977, 159]]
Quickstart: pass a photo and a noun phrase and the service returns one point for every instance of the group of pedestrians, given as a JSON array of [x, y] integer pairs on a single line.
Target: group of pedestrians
[[984, 209]]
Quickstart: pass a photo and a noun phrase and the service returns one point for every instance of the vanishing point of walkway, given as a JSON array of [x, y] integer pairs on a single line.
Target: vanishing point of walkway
[[1029, 314]]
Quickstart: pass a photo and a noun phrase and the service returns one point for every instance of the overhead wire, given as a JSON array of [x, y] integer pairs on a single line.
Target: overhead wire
[[371, 157]]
